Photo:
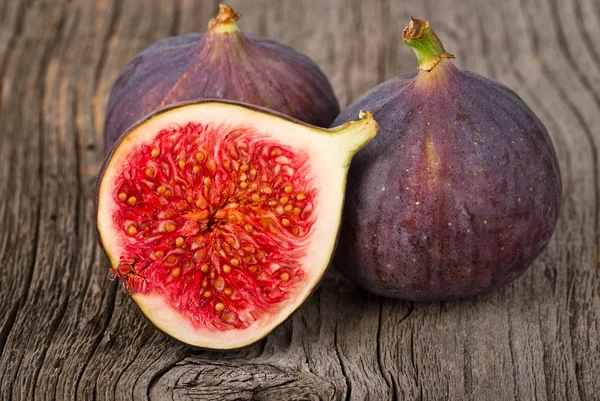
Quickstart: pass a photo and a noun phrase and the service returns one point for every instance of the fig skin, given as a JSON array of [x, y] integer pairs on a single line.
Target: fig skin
[[456, 196], [223, 64]]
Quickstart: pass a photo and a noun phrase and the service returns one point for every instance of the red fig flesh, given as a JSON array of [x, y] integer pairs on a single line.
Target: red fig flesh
[[460, 191], [220, 219], [221, 64]]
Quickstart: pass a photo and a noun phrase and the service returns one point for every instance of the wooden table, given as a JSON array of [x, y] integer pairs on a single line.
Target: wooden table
[[67, 332]]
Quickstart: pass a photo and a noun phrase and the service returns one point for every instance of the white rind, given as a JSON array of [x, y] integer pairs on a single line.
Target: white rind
[[330, 150]]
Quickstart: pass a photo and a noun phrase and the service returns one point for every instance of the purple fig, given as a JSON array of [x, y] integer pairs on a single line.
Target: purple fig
[[220, 64], [459, 192]]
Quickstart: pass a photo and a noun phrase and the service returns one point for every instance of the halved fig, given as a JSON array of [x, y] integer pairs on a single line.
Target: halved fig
[[220, 219]]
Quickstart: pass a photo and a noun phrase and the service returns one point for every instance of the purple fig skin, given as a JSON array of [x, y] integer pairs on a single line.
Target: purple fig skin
[[456, 196], [229, 66]]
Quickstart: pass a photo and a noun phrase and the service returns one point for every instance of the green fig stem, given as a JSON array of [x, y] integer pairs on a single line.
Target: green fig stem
[[427, 46], [224, 22], [353, 135]]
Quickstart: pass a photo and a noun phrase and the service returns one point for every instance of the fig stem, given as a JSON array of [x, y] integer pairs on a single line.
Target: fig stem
[[224, 22], [427, 46], [353, 135]]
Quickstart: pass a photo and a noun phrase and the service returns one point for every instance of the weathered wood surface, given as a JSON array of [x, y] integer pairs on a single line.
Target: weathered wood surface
[[67, 332]]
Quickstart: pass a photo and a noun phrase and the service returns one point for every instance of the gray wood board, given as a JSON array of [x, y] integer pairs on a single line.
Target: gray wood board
[[67, 332]]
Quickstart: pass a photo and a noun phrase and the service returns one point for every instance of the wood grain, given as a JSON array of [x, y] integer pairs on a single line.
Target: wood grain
[[67, 332]]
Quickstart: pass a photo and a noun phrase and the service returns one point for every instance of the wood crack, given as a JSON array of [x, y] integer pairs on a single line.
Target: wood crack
[[413, 360], [110, 35], [342, 365], [157, 376], [8, 324], [382, 371], [512, 357]]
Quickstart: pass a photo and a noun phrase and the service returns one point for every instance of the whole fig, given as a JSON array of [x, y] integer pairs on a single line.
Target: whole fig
[[221, 64], [459, 192]]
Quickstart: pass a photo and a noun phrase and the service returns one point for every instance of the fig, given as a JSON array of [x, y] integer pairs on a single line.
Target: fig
[[220, 218], [221, 64], [459, 192]]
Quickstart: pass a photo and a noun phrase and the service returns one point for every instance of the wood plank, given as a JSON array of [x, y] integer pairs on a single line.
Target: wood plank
[[66, 332]]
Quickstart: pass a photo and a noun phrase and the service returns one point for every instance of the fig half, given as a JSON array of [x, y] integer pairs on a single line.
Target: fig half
[[458, 193], [220, 218], [220, 64]]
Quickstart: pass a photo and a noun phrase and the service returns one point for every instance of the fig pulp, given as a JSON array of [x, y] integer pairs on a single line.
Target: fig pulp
[[221, 64], [220, 219], [458, 193]]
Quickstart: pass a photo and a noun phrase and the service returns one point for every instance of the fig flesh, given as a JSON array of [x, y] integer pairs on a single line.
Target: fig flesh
[[459, 192], [220, 64], [220, 219]]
